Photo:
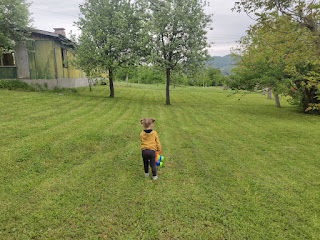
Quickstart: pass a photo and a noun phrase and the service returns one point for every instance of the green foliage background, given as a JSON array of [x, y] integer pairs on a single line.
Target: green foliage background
[[14, 23], [281, 51]]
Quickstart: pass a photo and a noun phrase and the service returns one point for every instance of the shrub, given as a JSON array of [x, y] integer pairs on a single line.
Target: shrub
[[15, 85]]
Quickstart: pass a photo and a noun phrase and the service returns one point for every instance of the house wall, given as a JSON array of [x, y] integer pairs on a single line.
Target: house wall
[[72, 71], [59, 83], [39, 61], [45, 65], [45, 61], [31, 59], [59, 60], [68, 72], [22, 60]]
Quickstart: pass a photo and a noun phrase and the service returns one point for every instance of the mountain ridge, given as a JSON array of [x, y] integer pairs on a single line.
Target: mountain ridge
[[225, 63]]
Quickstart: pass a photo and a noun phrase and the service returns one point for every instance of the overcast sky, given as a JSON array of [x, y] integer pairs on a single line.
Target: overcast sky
[[228, 26]]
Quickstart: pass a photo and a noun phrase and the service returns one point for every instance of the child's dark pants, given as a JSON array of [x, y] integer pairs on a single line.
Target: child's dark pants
[[149, 155]]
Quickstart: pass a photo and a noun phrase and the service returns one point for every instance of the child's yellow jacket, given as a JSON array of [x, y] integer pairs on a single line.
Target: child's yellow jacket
[[150, 140]]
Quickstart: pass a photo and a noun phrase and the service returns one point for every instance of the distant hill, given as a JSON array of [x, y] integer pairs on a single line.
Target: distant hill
[[223, 63]]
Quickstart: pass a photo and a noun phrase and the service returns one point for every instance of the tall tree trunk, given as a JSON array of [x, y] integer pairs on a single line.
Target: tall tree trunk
[[269, 93], [276, 99], [167, 87], [111, 83], [90, 83]]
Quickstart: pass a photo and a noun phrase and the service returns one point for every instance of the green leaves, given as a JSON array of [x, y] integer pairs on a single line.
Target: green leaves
[[276, 49], [112, 29], [162, 32], [112, 35], [178, 31], [14, 22]]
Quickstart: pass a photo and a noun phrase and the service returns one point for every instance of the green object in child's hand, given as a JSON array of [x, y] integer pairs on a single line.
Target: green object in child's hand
[[159, 160]]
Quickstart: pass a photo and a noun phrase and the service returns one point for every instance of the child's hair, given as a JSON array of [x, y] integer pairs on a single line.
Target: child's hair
[[146, 122]]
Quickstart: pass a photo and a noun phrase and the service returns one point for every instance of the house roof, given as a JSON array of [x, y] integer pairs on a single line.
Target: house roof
[[55, 36]]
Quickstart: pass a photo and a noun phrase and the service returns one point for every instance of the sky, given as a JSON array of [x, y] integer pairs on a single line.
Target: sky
[[228, 26]]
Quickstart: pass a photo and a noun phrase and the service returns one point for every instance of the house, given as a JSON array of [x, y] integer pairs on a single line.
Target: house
[[43, 59]]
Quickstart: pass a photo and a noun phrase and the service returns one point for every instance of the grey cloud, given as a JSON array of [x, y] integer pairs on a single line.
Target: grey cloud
[[228, 26]]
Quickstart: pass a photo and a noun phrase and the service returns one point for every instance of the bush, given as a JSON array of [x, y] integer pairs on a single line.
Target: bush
[[141, 74], [15, 85]]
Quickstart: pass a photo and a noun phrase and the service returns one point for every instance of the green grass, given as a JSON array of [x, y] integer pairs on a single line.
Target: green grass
[[71, 166]]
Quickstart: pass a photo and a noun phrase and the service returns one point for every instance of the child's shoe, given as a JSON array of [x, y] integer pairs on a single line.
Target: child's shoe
[[155, 177], [146, 174]]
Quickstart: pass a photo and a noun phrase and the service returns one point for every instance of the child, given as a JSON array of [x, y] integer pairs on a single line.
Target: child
[[150, 144]]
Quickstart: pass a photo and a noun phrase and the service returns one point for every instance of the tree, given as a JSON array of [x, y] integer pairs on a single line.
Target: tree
[[178, 31], [84, 59], [305, 13], [126, 73], [270, 58], [204, 76], [113, 31], [215, 76], [14, 22], [178, 77]]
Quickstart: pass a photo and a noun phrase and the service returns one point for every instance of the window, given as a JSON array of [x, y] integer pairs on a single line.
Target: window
[[64, 55], [7, 59]]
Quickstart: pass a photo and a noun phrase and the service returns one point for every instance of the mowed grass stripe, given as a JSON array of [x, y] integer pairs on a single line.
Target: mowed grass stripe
[[62, 116], [64, 136], [55, 113], [56, 143], [244, 130], [174, 175], [253, 148], [86, 166], [189, 168], [79, 188], [235, 156], [114, 125], [55, 138], [224, 176]]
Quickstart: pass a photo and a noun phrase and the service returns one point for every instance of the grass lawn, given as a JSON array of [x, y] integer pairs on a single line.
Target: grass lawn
[[71, 166]]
